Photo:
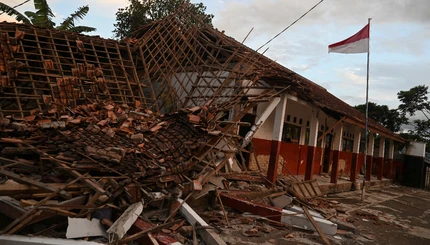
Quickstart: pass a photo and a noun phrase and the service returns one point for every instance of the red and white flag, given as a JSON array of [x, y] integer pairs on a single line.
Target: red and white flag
[[358, 43]]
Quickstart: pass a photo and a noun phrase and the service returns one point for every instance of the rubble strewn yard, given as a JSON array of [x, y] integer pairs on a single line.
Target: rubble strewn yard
[[389, 215]]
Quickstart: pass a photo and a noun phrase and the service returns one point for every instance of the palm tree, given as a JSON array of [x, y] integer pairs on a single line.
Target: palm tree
[[43, 17]]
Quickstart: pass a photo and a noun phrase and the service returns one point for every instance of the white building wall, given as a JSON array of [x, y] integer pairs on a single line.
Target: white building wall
[[417, 149], [266, 130]]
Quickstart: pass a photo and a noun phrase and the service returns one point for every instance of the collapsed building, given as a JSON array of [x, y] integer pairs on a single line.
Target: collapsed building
[[91, 126]]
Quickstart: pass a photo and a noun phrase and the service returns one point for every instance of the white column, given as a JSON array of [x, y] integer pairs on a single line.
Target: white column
[[338, 135], [391, 150], [357, 138], [313, 128], [303, 133], [381, 147], [278, 124], [371, 144]]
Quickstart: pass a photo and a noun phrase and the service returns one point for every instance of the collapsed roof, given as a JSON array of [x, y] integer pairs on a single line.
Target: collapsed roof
[[169, 64]]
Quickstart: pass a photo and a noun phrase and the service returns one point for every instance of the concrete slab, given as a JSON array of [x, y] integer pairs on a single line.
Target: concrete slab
[[300, 220]]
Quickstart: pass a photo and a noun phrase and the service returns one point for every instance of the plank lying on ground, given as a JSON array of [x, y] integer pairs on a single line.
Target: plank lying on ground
[[38, 184], [316, 226], [10, 189], [162, 239], [23, 220], [144, 232], [209, 236], [11, 208], [75, 173]]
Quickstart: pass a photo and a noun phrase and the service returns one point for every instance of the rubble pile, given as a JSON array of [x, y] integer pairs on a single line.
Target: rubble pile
[[119, 174], [97, 158]]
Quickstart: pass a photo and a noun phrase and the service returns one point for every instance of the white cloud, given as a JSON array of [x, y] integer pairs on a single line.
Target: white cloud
[[7, 18]]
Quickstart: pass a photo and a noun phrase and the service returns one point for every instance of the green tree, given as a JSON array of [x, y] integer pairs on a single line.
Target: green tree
[[412, 101], [415, 100], [389, 118], [142, 12], [43, 17]]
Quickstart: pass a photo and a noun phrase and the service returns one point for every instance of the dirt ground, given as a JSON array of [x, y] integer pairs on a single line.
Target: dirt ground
[[388, 215]]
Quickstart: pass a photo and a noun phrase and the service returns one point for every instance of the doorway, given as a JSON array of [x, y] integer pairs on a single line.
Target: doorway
[[327, 152]]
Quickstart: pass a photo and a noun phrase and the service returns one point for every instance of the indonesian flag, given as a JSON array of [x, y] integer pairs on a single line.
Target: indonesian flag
[[358, 43]]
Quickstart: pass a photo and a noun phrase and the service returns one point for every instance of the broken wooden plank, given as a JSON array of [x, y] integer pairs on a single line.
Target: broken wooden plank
[[20, 222], [209, 236], [161, 238], [316, 226], [144, 232], [11, 188], [38, 184]]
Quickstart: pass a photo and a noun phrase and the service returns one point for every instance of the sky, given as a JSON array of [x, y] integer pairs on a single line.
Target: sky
[[399, 46]]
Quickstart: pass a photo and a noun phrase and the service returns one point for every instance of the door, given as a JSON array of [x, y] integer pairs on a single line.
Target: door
[[327, 152]]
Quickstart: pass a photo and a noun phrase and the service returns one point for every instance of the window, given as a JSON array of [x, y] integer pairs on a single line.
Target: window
[[291, 133], [347, 144]]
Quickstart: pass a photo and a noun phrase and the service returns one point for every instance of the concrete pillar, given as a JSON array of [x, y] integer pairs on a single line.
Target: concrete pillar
[[355, 152], [369, 157], [337, 148], [390, 160], [313, 138], [278, 126], [302, 140], [380, 159]]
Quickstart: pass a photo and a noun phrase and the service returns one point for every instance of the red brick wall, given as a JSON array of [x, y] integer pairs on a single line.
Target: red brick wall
[[294, 155]]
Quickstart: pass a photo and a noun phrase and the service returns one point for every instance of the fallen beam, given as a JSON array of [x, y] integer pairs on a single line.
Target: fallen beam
[[210, 237], [12, 188], [38, 184], [12, 208], [316, 226]]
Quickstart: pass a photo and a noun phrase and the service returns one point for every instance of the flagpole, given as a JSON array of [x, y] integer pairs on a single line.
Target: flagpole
[[367, 116]]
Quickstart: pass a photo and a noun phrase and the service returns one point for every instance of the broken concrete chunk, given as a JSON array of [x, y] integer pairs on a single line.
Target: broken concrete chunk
[[82, 227], [281, 201]]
